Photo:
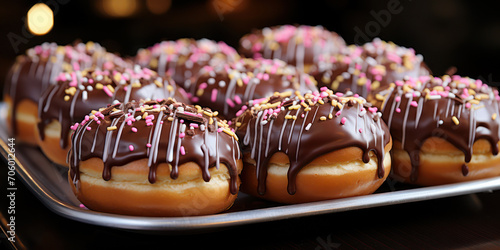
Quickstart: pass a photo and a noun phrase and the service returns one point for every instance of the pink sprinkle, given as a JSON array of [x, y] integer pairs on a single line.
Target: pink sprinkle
[[343, 120], [82, 206], [398, 110], [195, 99], [468, 105], [182, 150], [203, 85], [338, 113], [230, 103], [75, 126], [194, 125], [148, 145], [134, 129], [107, 91], [131, 147], [76, 66], [88, 128], [214, 95], [182, 135], [414, 104], [219, 130], [361, 130], [237, 99], [373, 109]]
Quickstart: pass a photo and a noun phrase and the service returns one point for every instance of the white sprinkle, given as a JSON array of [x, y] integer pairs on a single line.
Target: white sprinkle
[[90, 88], [211, 81], [99, 77], [84, 95], [308, 126], [222, 84], [440, 122]]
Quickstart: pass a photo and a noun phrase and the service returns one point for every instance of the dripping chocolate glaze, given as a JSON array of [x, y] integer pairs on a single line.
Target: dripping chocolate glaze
[[315, 131], [35, 71], [229, 87], [205, 140], [84, 94], [425, 107]]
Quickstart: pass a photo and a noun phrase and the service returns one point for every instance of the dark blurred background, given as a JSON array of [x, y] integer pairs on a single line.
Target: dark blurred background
[[463, 34]]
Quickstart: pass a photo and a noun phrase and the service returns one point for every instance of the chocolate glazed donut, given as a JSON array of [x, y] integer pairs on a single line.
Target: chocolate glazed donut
[[35, 71], [322, 131], [156, 144], [79, 92], [299, 45], [183, 58], [228, 87], [445, 129]]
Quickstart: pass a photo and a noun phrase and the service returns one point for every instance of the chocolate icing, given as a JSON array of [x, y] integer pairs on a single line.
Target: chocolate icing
[[228, 87], [183, 58], [305, 130], [162, 132], [79, 92], [457, 109], [35, 71], [296, 45], [369, 68]]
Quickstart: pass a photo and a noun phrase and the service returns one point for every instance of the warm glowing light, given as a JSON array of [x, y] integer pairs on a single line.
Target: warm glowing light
[[119, 8], [40, 19], [158, 6]]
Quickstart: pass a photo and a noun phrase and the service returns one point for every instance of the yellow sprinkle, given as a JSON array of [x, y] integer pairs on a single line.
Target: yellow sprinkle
[[144, 115], [117, 77], [136, 85], [323, 118], [238, 124], [215, 113], [321, 102], [455, 120], [210, 114], [294, 117], [111, 128], [362, 81], [158, 83], [375, 85], [70, 91], [110, 88], [330, 116], [211, 121], [66, 97], [335, 85], [98, 86], [170, 118], [307, 109], [288, 117], [494, 116], [303, 104], [379, 97], [170, 88], [239, 82], [199, 92]]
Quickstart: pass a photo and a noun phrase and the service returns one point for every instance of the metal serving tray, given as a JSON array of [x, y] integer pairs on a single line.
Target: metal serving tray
[[49, 183]]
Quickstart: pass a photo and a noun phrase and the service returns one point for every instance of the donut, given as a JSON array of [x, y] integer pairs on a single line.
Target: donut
[[183, 58], [156, 158], [35, 71], [77, 93], [298, 45], [228, 87], [312, 147], [368, 69], [445, 129]]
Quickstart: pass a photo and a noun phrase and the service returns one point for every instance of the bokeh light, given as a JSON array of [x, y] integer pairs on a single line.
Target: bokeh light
[[40, 19]]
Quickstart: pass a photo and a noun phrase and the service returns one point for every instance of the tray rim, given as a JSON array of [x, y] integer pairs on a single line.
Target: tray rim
[[227, 219]]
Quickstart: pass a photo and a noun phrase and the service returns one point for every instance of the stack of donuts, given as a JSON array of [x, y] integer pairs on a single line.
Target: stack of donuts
[[292, 114]]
